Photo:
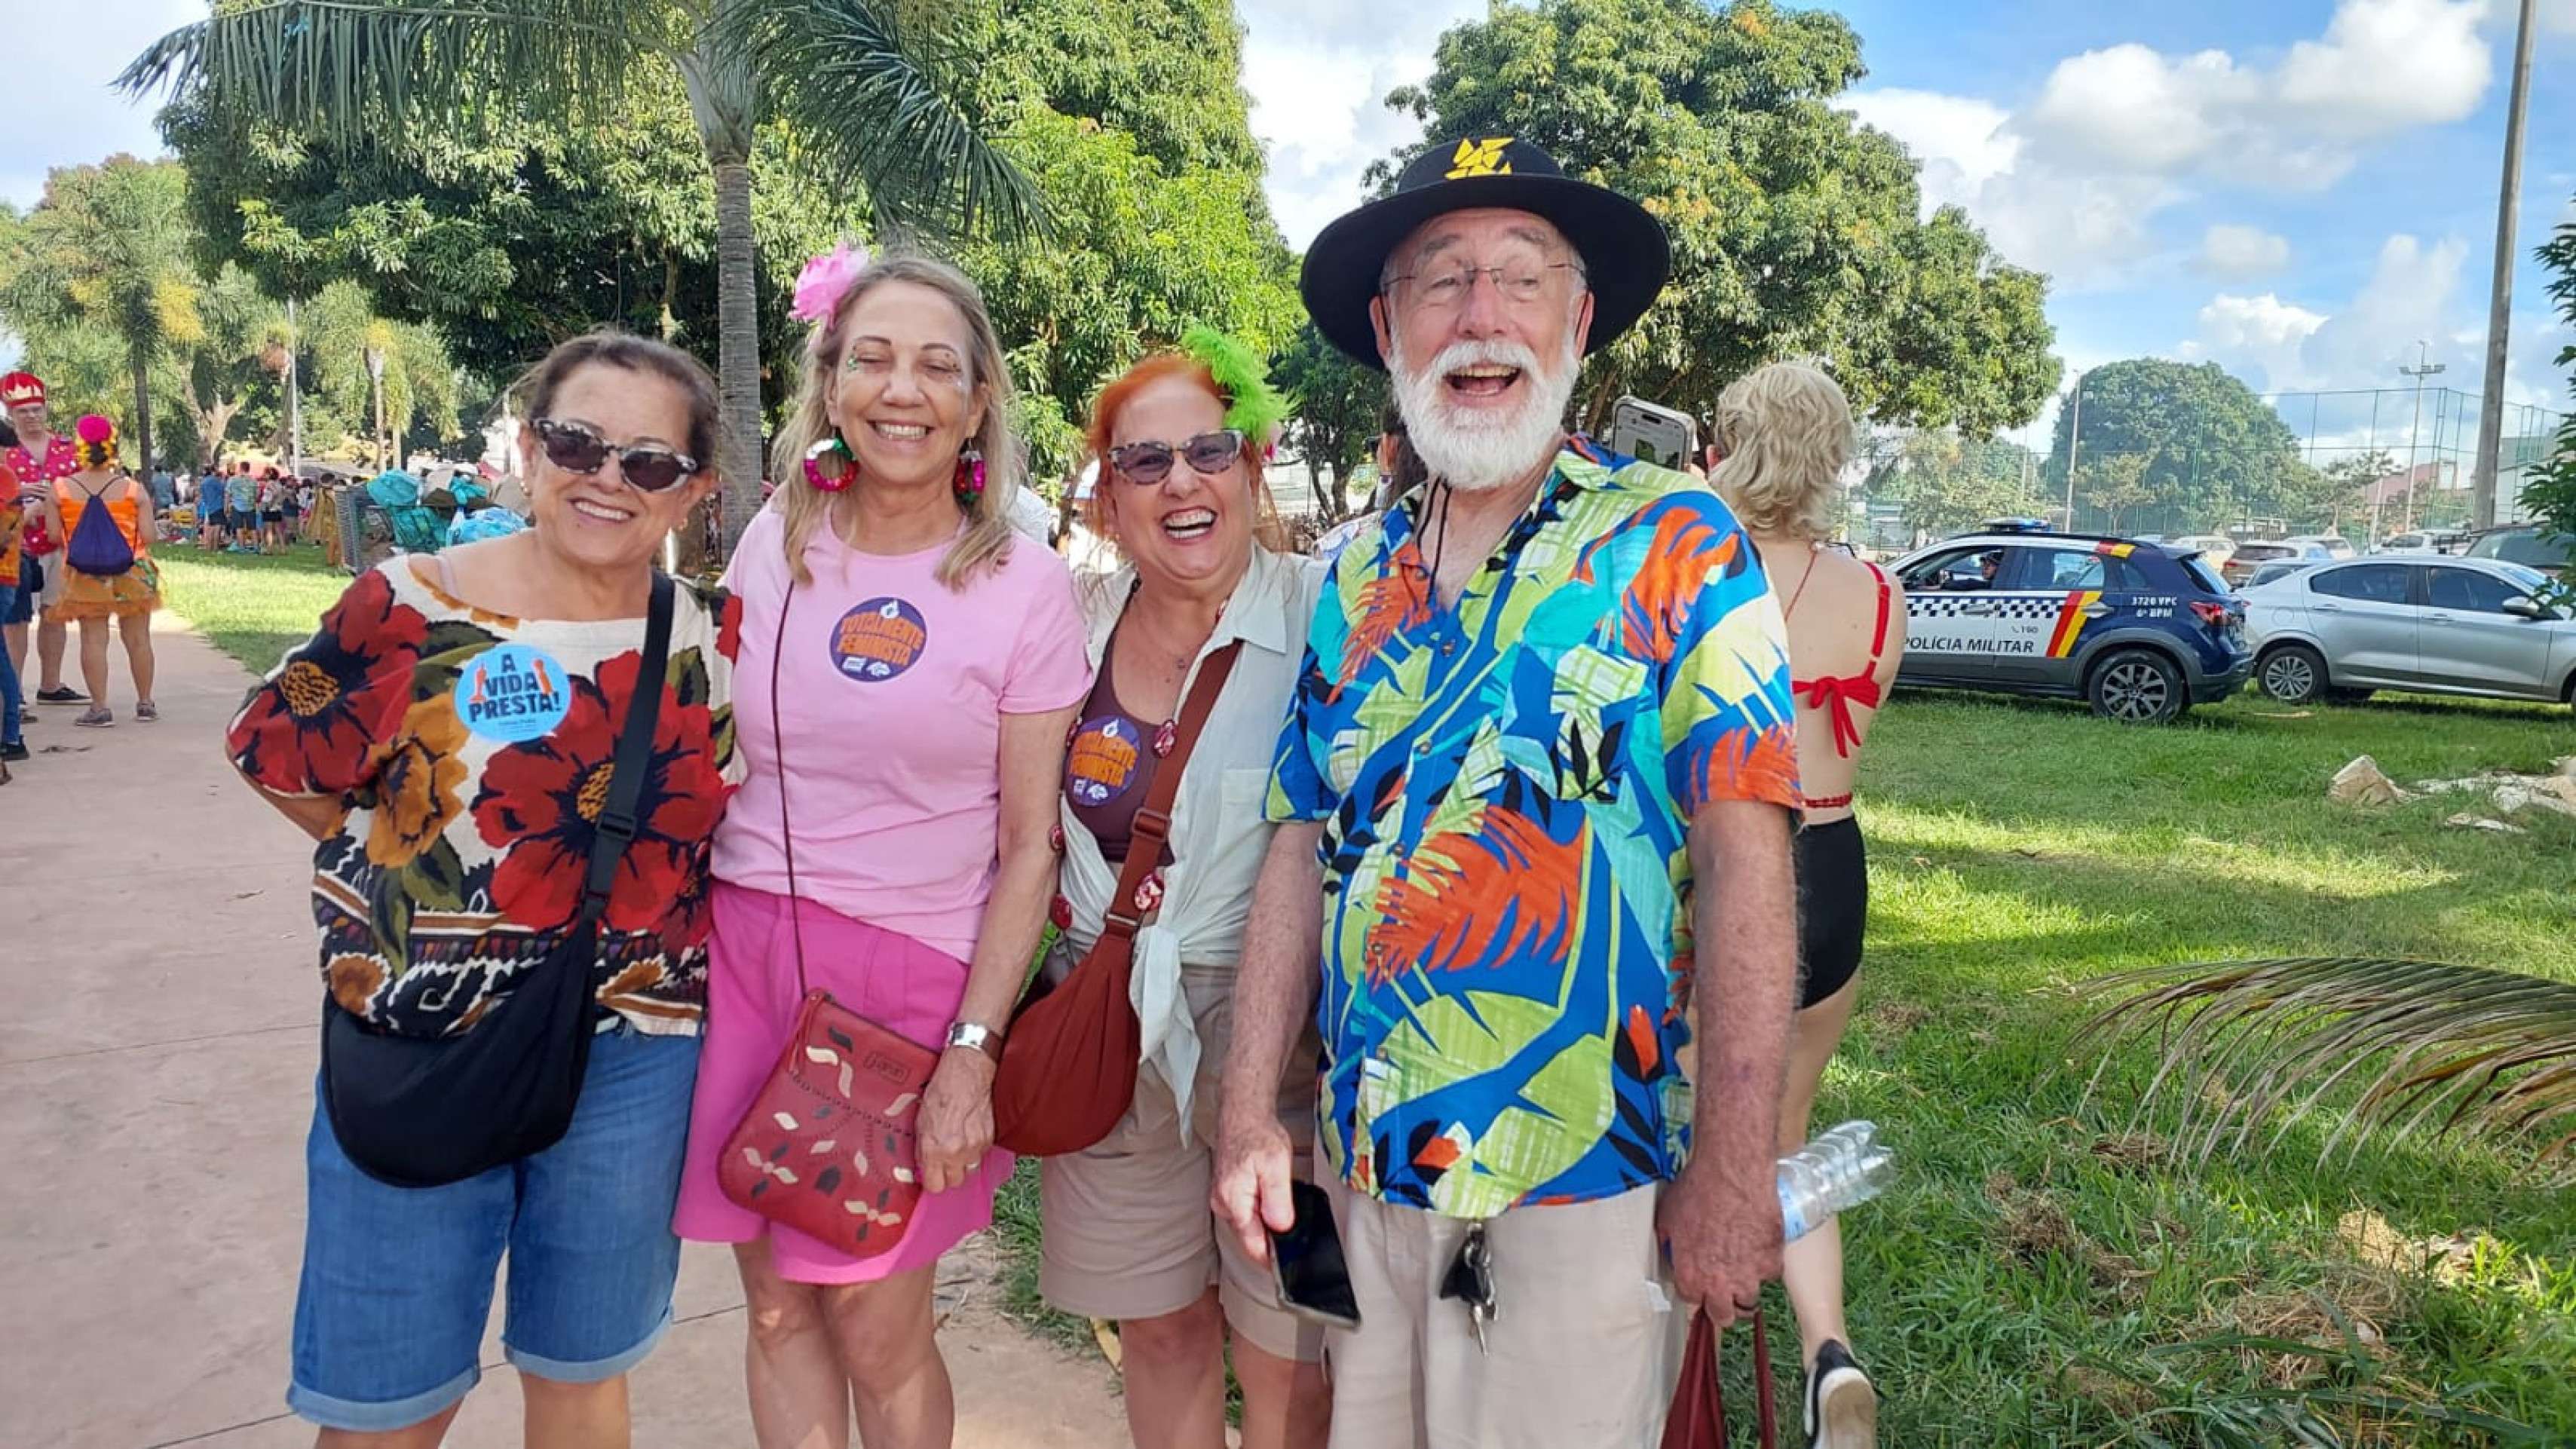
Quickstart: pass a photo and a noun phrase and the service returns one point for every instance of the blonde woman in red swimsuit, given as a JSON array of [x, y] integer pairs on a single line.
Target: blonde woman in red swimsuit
[[1786, 432]]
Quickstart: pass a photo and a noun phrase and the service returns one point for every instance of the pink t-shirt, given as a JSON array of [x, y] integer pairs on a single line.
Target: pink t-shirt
[[892, 689]]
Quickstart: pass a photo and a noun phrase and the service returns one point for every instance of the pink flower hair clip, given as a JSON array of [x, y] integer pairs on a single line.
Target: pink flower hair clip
[[825, 280]]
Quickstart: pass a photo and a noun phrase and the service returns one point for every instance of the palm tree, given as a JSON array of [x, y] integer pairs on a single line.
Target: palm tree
[[872, 101], [2433, 1047], [391, 373], [107, 251]]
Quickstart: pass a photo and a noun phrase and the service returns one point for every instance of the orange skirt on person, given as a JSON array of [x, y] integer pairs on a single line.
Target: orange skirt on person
[[133, 593]]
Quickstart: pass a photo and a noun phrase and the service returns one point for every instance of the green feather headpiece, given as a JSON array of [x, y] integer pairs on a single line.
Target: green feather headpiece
[[1253, 406]]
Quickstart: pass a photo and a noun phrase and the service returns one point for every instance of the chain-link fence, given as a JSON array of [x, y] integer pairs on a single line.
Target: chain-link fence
[[2362, 464]]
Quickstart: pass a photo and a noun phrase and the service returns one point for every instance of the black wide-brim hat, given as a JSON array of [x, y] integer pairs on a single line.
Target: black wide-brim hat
[[1625, 254]]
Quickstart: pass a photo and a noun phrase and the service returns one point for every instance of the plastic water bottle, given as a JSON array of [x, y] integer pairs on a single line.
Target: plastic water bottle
[[1844, 1166]]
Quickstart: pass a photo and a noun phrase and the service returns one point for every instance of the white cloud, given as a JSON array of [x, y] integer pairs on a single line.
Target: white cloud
[[71, 118], [2237, 252], [2071, 183], [2558, 15], [2259, 338], [1319, 73]]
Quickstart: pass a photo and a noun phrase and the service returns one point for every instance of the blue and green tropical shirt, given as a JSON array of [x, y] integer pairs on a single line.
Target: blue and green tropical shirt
[[1506, 789]]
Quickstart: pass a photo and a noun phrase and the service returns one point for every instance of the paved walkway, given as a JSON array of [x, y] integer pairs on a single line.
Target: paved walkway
[[156, 1065]]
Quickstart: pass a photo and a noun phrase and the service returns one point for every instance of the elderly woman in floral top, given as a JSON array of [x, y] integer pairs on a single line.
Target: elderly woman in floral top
[[448, 739]]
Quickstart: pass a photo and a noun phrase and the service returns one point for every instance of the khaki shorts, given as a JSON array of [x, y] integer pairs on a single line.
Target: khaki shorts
[[55, 571], [1128, 1231], [1585, 1340]]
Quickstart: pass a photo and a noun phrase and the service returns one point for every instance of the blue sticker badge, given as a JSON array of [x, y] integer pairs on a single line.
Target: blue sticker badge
[[878, 640], [513, 694]]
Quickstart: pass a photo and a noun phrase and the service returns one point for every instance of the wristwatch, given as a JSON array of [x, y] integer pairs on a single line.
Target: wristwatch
[[975, 1037]]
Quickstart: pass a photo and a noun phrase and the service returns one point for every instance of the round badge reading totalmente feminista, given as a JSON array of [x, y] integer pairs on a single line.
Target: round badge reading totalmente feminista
[[878, 640], [513, 693], [1102, 763]]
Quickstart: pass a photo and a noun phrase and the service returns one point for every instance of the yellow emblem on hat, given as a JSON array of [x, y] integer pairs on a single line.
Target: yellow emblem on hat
[[1480, 157]]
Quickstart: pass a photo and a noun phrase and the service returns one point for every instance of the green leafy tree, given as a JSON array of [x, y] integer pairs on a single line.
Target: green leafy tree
[[2336, 496], [240, 355], [1339, 406], [2549, 493], [869, 92], [1796, 231], [1941, 483], [2213, 452], [1130, 119], [106, 254]]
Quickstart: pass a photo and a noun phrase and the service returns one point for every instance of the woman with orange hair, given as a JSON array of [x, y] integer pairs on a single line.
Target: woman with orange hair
[[1181, 439]]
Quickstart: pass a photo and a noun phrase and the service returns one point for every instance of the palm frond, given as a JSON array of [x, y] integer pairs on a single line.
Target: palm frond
[[354, 70], [880, 106], [2433, 1048]]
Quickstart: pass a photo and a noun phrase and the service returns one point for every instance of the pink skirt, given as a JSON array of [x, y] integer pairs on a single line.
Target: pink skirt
[[752, 998]]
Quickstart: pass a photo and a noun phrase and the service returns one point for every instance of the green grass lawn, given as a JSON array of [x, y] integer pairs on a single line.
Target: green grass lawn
[[2042, 1273], [253, 606]]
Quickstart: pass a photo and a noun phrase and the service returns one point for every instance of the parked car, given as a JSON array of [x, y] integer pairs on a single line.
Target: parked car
[[2333, 546], [2275, 571], [2524, 544], [2240, 566], [2423, 541], [2217, 548], [2441, 625], [2140, 631]]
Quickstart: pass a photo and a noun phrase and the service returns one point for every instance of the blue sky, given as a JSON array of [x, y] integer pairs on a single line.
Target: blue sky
[[2297, 189]]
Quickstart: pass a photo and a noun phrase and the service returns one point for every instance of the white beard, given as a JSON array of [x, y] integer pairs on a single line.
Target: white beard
[[1475, 453]]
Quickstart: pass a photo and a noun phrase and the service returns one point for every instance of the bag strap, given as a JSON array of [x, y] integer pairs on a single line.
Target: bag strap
[[617, 825], [1153, 823], [778, 763]]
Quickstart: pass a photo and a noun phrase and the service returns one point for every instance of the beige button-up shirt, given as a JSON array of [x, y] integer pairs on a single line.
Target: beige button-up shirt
[[1218, 833]]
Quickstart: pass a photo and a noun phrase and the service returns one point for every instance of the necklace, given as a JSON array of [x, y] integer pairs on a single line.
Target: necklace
[[1800, 592]]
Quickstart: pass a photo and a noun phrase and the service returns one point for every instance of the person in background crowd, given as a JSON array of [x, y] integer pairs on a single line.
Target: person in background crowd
[[1181, 438], [1787, 432], [39, 458], [241, 510], [13, 619], [368, 743], [1534, 795], [272, 511], [165, 491], [131, 597], [917, 664]]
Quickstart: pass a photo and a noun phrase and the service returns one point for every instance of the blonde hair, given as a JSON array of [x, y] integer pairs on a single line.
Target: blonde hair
[[1786, 432], [986, 541]]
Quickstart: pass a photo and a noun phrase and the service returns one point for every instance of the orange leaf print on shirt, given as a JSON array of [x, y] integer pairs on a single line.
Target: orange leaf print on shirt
[[1388, 605], [1512, 890], [1745, 764], [1678, 563]]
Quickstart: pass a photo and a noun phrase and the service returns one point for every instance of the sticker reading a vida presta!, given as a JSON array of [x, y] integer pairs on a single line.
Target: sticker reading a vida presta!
[[1102, 763], [513, 693], [878, 640]]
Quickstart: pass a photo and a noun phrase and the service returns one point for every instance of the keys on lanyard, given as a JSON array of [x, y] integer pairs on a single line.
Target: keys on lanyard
[[1471, 1280]]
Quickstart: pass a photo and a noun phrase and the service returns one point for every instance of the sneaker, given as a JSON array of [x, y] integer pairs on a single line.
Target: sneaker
[[61, 694], [97, 718], [147, 711], [14, 751], [1842, 1407]]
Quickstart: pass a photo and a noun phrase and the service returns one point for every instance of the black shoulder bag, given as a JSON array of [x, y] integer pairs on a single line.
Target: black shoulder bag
[[422, 1112]]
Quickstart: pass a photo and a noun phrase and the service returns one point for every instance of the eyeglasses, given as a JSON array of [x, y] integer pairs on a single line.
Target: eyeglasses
[[577, 448], [1148, 463], [1446, 290]]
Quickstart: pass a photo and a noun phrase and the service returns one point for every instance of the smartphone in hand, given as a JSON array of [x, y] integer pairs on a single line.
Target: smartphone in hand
[[1306, 1262]]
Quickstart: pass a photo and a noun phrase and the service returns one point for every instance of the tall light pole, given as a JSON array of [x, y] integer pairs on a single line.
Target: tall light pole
[[2415, 435], [2482, 499], [2074, 445]]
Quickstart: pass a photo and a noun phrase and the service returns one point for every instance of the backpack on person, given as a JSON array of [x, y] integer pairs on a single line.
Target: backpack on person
[[98, 547]]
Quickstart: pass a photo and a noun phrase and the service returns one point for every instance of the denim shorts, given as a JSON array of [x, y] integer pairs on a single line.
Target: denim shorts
[[397, 1282]]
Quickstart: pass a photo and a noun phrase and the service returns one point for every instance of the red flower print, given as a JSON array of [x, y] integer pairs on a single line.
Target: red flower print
[[315, 727], [728, 612], [541, 801], [1510, 890]]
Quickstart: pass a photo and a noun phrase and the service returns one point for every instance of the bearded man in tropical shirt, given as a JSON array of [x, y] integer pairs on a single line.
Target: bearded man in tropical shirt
[[1534, 791]]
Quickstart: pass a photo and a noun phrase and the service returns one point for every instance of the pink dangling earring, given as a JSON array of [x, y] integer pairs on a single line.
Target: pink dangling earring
[[829, 465], [970, 476]]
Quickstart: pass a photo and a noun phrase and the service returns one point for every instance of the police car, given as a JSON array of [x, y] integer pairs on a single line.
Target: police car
[[2140, 631]]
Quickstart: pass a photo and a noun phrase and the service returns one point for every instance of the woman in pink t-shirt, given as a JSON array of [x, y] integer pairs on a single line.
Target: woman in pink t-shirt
[[926, 674]]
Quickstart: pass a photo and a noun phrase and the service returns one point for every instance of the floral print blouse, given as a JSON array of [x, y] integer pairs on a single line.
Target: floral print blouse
[[473, 752]]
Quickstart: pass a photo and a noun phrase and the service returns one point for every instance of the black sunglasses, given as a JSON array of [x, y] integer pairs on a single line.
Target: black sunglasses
[[577, 448], [1146, 464]]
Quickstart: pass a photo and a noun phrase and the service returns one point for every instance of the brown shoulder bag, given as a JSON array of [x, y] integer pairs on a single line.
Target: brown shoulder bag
[[1068, 1067], [1698, 1416]]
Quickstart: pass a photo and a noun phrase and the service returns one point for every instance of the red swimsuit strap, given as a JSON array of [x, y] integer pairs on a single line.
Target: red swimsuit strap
[[1837, 694]]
